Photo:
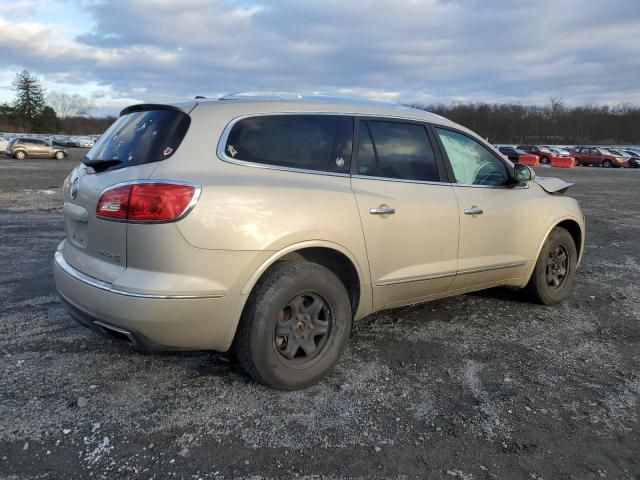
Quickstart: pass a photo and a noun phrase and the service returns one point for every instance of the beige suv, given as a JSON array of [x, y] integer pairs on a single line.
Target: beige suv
[[269, 224], [21, 148]]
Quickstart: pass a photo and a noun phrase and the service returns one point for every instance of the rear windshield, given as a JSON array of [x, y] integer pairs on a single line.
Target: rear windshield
[[139, 137]]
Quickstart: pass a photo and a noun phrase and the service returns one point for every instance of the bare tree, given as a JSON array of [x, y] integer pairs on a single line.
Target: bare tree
[[66, 105]]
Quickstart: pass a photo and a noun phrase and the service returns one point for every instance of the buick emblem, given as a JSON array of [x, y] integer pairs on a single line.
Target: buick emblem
[[74, 188]]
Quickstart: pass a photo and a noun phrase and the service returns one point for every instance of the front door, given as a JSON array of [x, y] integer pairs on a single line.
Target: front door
[[495, 244], [409, 217]]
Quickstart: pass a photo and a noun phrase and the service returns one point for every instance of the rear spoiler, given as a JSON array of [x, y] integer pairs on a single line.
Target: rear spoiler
[[184, 107]]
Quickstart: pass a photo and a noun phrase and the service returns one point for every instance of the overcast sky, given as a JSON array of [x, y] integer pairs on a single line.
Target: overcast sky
[[120, 52]]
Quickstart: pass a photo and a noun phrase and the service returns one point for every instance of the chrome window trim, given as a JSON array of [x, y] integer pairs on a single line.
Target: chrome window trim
[[400, 180], [222, 155], [108, 287], [500, 266], [186, 212]]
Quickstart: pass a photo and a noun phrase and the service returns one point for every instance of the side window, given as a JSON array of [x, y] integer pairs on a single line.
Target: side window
[[311, 142], [471, 162], [401, 150]]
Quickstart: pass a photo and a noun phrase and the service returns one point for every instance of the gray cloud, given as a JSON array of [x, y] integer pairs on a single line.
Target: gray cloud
[[430, 50]]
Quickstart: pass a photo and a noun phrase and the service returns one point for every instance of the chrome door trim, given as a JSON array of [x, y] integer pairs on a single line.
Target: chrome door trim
[[437, 276], [415, 279], [499, 266], [108, 287]]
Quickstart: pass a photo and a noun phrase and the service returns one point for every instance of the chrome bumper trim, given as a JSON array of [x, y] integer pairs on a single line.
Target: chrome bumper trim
[[107, 287]]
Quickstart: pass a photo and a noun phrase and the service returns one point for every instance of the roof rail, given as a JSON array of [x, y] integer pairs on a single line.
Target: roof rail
[[257, 95]]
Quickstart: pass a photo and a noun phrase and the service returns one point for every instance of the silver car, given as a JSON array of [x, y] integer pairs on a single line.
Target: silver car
[[268, 224]]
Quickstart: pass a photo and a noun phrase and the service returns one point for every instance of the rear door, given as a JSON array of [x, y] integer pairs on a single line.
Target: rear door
[[129, 150], [409, 215]]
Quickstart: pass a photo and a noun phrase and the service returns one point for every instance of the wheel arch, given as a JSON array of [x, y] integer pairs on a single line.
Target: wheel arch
[[575, 229], [328, 254]]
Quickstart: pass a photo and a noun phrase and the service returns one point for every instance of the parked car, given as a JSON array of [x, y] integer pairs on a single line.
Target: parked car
[[633, 158], [544, 154], [516, 156], [84, 142], [597, 156], [4, 144], [559, 152], [23, 147], [269, 226]]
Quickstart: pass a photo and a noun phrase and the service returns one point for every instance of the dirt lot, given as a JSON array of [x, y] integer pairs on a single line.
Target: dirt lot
[[474, 387]]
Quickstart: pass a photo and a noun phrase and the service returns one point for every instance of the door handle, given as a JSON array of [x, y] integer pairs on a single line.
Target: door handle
[[382, 210], [473, 211]]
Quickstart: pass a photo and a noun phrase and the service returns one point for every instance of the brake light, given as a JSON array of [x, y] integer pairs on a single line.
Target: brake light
[[146, 202]]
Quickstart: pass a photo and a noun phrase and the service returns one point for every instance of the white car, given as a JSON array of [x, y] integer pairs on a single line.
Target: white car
[[4, 144]]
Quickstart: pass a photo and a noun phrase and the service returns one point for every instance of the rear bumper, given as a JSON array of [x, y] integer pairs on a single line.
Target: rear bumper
[[149, 322]]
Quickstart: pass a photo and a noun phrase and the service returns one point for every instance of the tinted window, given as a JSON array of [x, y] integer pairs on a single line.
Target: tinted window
[[472, 163], [367, 163], [401, 150], [311, 142], [139, 137]]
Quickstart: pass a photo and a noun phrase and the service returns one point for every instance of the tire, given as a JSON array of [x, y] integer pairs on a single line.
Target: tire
[[59, 155], [577, 162], [294, 298], [607, 163], [20, 155], [542, 287], [544, 160]]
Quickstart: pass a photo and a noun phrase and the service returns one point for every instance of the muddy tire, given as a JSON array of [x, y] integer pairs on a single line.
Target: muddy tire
[[554, 275], [295, 326]]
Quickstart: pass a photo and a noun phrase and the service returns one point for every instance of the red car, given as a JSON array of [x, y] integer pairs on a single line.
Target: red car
[[598, 156], [544, 154]]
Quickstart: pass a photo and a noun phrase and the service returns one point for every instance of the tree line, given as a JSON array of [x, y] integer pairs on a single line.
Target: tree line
[[554, 123], [33, 110]]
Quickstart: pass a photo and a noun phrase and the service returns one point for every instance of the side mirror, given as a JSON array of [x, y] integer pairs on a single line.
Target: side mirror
[[523, 174]]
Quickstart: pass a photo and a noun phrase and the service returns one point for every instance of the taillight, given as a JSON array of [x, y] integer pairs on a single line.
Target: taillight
[[146, 202]]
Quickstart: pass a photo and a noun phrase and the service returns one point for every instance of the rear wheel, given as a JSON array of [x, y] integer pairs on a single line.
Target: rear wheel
[[20, 155], [295, 326], [554, 274], [544, 160], [607, 163], [577, 162]]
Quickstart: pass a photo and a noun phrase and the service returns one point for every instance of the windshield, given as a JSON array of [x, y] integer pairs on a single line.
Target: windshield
[[139, 137]]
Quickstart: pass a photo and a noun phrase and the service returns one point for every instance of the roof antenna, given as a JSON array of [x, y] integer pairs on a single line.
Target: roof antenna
[[198, 96]]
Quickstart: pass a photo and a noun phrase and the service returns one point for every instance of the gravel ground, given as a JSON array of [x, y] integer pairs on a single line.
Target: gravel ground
[[474, 387]]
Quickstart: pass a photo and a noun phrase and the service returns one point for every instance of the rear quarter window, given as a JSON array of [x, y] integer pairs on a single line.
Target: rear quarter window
[[309, 142]]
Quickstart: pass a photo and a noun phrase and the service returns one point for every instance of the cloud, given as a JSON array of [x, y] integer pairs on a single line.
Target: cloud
[[424, 51]]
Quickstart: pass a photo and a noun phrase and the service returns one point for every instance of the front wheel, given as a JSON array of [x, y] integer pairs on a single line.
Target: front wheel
[[59, 155], [607, 164], [554, 274], [544, 160], [295, 326]]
